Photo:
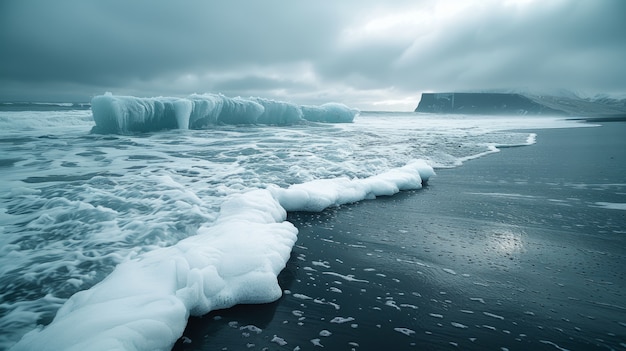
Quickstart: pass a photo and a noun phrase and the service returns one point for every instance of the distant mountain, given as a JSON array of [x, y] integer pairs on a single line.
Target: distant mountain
[[521, 104]]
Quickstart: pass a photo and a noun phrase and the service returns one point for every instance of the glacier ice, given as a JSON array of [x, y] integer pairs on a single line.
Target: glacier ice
[[331, 112], [123, 114]]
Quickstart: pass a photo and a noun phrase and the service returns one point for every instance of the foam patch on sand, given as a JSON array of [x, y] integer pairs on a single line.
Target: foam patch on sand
[[145, 303]]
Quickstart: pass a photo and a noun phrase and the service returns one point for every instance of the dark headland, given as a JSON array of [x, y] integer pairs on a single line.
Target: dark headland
[[521, 104]]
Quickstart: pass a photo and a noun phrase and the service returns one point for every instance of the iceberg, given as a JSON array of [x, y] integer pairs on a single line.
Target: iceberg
[[127, 114]]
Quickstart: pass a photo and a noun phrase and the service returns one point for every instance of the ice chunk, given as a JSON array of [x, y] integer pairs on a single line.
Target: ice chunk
[[127, 113], [123, 114], [330, 112]]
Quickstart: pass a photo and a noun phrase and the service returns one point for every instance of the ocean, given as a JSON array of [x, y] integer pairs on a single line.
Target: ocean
[[124, 234]]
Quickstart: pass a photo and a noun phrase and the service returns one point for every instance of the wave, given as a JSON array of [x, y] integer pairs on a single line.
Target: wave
[[43, 106], [76, 206], [124, 114], [145, 302], [44, 121]]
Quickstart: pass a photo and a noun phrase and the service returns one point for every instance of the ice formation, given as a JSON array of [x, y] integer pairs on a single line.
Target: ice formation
[[320, 194], [119, 114], [144, 304]]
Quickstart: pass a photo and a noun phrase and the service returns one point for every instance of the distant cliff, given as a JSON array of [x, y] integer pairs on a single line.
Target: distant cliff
[[518, 104]]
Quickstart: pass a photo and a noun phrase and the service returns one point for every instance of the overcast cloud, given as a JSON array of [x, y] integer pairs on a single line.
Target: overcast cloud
[[367, 54]]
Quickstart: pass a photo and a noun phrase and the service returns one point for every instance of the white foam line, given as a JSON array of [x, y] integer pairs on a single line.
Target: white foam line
[[493, 315], [348, 277], [611, 205], [553, 344], [509, 195]]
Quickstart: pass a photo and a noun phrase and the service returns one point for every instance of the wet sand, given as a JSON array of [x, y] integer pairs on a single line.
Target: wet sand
[[523, 249]]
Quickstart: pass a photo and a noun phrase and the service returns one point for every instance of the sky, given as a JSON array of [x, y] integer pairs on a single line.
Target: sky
[[372, 55]]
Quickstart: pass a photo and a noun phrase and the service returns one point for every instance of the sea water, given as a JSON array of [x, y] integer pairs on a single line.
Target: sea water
[[178, 222]]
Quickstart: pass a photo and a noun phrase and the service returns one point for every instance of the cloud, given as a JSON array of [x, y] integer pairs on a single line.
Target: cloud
[[498, 46], [365, 52], [140, 39]]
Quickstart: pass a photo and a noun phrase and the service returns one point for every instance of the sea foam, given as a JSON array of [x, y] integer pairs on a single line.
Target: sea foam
[[145, 302]]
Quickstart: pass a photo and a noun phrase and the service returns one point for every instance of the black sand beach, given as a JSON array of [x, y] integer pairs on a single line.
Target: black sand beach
[[523, 249]]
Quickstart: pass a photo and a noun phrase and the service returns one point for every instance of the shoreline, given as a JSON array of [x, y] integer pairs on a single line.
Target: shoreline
[[604, 119], [514, 249]]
